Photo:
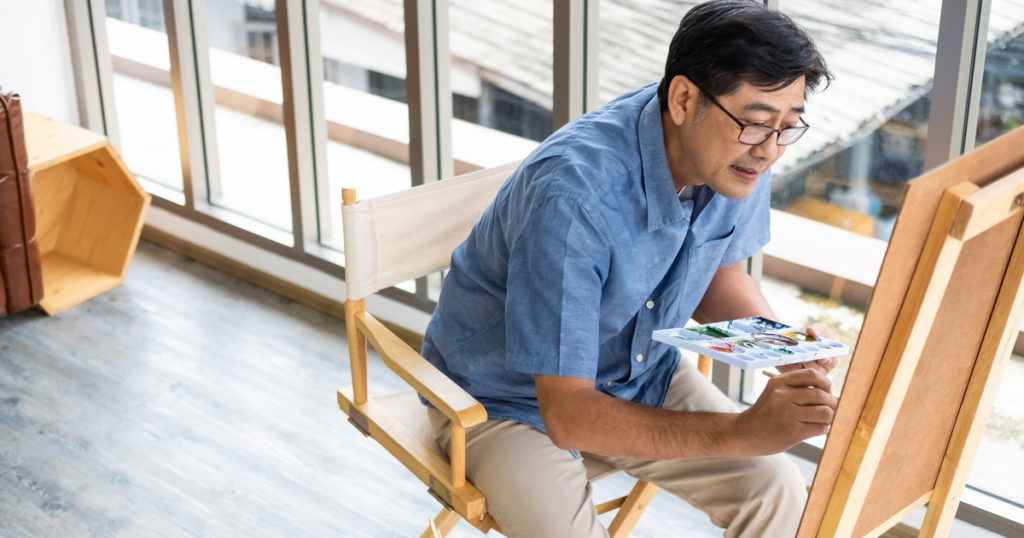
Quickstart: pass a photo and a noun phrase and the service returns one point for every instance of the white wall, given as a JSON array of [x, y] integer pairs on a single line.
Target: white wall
[[35, 59]]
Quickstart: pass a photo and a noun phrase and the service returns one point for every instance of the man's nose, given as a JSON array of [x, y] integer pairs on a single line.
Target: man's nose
[[769, 150]]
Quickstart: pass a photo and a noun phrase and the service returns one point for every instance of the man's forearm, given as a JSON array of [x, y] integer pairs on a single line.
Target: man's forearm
[[591, 421]]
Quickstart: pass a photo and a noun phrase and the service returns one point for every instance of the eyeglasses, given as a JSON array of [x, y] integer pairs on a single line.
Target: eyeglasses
[[753, 134]]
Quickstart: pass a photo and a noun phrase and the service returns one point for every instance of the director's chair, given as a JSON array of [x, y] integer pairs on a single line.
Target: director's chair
[[403, 236]]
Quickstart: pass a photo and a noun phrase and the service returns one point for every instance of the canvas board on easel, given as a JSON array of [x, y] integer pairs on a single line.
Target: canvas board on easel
[[936, 336]]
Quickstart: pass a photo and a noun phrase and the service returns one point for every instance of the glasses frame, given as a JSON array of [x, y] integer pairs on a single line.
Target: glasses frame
[[802, 128]]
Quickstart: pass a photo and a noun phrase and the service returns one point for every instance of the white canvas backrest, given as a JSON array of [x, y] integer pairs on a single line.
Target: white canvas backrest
[[412, 233]]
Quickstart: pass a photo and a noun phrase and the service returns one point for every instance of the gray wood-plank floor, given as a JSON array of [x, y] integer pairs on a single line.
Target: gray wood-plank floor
[[188, 403]]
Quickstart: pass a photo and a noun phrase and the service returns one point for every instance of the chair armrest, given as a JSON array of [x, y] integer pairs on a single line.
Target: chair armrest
[[456, 404]]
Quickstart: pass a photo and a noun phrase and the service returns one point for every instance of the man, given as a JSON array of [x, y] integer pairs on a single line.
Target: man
[[633, 218]]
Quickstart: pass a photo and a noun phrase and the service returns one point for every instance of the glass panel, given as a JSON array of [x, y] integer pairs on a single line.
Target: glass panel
[[634, 43], [868, 129], [999, 466], [1002, 88], [363, 47], [501, 57], [142, 94], [252, 176]]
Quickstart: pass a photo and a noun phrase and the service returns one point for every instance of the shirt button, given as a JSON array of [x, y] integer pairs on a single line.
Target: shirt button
[[639, 358], [650, 305], [608, 384]]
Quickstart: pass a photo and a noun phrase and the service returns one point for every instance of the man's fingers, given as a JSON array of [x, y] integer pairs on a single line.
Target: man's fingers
[[814, 396], [815, 365], [814, 430], [805, 377], [818, 330], [827, 365], [815, 414], [783, 368]]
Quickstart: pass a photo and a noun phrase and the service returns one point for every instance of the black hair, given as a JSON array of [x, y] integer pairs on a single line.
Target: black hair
[[722, 43]]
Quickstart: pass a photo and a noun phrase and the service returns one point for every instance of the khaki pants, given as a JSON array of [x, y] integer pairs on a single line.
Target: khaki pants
[[536, 490]]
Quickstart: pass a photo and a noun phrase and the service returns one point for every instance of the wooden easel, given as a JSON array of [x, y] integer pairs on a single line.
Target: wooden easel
[[935, 343]]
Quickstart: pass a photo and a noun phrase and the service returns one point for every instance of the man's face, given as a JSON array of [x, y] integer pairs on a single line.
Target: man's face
[[708, 143]]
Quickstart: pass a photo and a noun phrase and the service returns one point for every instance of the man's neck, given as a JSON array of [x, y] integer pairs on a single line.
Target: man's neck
[[673, 150]]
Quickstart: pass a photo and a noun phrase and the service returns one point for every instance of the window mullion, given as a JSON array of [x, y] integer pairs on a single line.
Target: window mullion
[[428, 87], [956, 87], [84, 64], [186, 96], [93, 70], [575, 73], [298, 120], [202, 125], [317, 194]]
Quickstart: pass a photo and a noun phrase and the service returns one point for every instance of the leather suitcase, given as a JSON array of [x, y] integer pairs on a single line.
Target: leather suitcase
[[21, 277]]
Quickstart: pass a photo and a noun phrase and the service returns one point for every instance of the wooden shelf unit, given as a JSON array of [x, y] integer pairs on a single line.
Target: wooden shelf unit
[[89, 211]]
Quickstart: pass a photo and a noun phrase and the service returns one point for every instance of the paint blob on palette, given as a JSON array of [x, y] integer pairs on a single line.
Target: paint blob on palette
[[751, 343]]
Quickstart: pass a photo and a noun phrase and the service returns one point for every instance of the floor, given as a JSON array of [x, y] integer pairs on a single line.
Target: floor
[[187, 403]]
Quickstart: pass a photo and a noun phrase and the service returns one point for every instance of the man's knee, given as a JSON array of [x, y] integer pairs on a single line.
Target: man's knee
[[774, 496], [777, 477]]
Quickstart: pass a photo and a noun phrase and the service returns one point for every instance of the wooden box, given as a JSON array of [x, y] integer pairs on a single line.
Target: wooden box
[[89, 211]]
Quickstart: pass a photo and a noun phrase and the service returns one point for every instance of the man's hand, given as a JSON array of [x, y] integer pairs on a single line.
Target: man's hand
[[822, 365], [793, 407]]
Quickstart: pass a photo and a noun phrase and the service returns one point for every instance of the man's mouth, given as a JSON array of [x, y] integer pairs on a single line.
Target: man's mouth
[[750, 174]]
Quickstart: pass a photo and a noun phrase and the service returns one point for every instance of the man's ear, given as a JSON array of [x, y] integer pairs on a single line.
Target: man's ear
[[682, 98]]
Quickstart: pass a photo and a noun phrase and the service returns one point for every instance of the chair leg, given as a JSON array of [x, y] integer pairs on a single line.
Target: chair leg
[[445, 522], [629, 514], [486, 524]]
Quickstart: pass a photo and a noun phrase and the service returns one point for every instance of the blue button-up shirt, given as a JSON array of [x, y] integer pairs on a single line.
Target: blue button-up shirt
[[583, 253]]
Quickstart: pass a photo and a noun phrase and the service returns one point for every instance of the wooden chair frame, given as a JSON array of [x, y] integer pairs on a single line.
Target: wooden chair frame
[[445, 480]]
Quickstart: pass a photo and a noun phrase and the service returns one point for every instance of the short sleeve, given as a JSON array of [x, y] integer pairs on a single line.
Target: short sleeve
[[753, 227], [556, 269]]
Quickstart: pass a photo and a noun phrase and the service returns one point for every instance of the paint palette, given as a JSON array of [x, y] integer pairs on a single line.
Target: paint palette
[[750, 343]]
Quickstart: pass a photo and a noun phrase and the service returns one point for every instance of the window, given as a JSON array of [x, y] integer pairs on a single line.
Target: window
[[248, 164], [114, 9], [869, 128], [501, 80], [1002, 89], [363, 49], [146, 121], [151, 14], [634, 43], [999, 467]]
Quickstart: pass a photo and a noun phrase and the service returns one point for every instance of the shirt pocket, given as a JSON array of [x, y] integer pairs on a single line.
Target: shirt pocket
[[702, 264]]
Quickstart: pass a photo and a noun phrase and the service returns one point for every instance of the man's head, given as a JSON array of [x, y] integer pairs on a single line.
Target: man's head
[[757, 65]]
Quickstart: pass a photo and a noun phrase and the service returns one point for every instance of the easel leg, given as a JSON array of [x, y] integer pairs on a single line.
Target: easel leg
[[445, 522]]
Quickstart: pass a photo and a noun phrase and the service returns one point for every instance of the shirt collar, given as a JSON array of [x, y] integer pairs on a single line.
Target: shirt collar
[[663, 205]]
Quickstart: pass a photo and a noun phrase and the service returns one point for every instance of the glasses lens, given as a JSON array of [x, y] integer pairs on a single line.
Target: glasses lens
[[788, 136], [755, 134]]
